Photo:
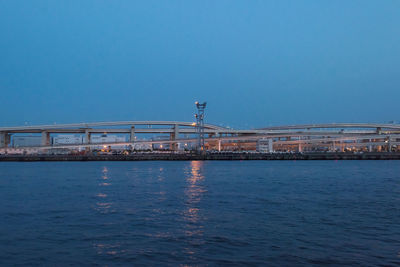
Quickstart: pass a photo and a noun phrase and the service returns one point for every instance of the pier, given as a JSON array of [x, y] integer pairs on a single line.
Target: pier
[[207, 156]]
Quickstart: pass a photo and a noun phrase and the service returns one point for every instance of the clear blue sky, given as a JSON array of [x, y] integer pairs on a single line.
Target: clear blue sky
[[256, 63]]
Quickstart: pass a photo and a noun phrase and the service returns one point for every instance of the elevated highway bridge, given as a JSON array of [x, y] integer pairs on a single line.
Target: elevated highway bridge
[[333, 135]]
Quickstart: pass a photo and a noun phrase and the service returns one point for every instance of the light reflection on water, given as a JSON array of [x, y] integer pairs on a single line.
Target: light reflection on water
[[161, 176], [194, 191], [108, 249], [105, 177], [161, 193], [105, 173], [103, 206]]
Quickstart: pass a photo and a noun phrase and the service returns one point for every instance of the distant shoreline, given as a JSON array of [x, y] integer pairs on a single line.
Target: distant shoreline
[[210, 156]]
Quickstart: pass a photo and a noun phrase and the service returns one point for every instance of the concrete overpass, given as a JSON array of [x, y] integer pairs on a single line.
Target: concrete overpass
[[174, 128], [301, 135], [336, 125]]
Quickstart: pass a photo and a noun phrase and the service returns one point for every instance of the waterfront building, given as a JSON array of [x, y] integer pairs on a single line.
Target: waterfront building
[[67, 139], [265, 145], [142, 146], [104, 139], [26, 141]]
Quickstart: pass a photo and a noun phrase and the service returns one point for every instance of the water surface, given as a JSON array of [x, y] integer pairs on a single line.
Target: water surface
[[276, 213]]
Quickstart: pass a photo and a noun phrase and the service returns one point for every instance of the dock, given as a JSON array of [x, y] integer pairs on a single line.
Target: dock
[[208, 156]]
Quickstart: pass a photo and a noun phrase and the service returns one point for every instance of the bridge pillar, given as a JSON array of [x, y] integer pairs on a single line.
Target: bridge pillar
[[45, 138], [389, 144], [4, 139], [88, 136], [219, 145], [132, 134], [174, 135]]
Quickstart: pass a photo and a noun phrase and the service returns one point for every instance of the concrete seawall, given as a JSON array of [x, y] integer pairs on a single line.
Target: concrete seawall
[[211, 156]]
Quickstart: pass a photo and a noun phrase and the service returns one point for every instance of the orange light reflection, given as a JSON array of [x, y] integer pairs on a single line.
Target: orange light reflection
[[192, 214]]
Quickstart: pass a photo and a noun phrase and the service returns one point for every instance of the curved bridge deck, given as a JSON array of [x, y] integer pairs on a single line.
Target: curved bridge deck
[[330, 135]]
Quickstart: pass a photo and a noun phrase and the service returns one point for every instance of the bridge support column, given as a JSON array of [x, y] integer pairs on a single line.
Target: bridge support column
[[389, 144], [45, 138], [174, 136], [219, 145], [88, 136], [132, 134], [4, 139]]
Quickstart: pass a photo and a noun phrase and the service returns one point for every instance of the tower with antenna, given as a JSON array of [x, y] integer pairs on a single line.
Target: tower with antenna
[[200, 125]]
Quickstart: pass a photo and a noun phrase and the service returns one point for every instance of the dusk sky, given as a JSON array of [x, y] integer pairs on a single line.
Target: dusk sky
[[256, 63]]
